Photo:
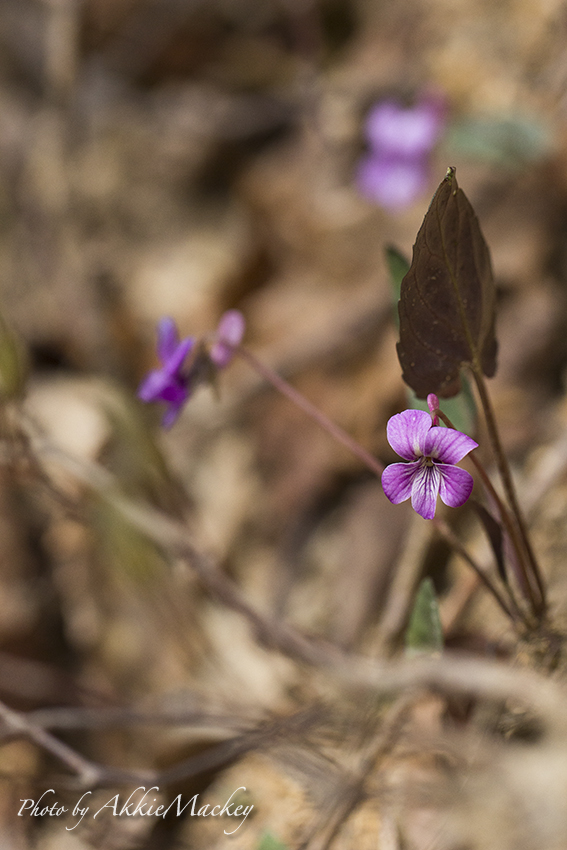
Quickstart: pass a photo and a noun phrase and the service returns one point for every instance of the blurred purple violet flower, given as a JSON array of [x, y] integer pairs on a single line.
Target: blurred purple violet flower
[[174, 384], [432, 452], [169, 383], [395, 170]]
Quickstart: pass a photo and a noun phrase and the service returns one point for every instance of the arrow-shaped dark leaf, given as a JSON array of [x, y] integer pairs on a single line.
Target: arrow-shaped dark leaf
[[447, 300]]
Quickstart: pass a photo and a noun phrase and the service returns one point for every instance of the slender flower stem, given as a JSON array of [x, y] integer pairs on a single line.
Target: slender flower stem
[[454, 541], [507, 520], [526, 550], [312, 411]]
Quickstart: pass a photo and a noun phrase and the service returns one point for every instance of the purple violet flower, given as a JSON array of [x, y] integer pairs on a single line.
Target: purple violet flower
[[432, 452], [395, 171], [169, 383], [174, 384]]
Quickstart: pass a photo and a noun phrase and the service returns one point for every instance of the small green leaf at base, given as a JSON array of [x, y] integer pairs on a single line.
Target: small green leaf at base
[[270, 842], [424, 635]]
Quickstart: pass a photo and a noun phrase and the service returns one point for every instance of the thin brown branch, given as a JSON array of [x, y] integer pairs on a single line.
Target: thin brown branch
[[18, 724], [311, 410], [112, 718], [353, 793]]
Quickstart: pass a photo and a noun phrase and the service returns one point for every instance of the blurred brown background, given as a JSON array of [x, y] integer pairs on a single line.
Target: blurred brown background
[[183, 157]]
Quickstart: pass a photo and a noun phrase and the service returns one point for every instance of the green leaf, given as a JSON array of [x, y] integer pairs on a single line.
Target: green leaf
[[134, 457], [447, 302], [424, 633], [270, 842], [398, 267], [13, 363], [508, 142], [141, 473], [122, 548]]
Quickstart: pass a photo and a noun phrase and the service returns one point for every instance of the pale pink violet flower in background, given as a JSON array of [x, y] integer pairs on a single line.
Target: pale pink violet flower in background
[[406, 132], [432, 452], [395, 170]]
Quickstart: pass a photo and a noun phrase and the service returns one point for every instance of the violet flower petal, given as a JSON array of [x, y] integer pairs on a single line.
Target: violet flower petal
[[153, 385], [397, 480], [175, 360], [175, 392], [447, 445], [168, 384], [424, 491], [230, 331], [392, 182], [455, 485], [407, 432], [167, 338], [405, 132], [170, 351], [170, 415], [231, 327]]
